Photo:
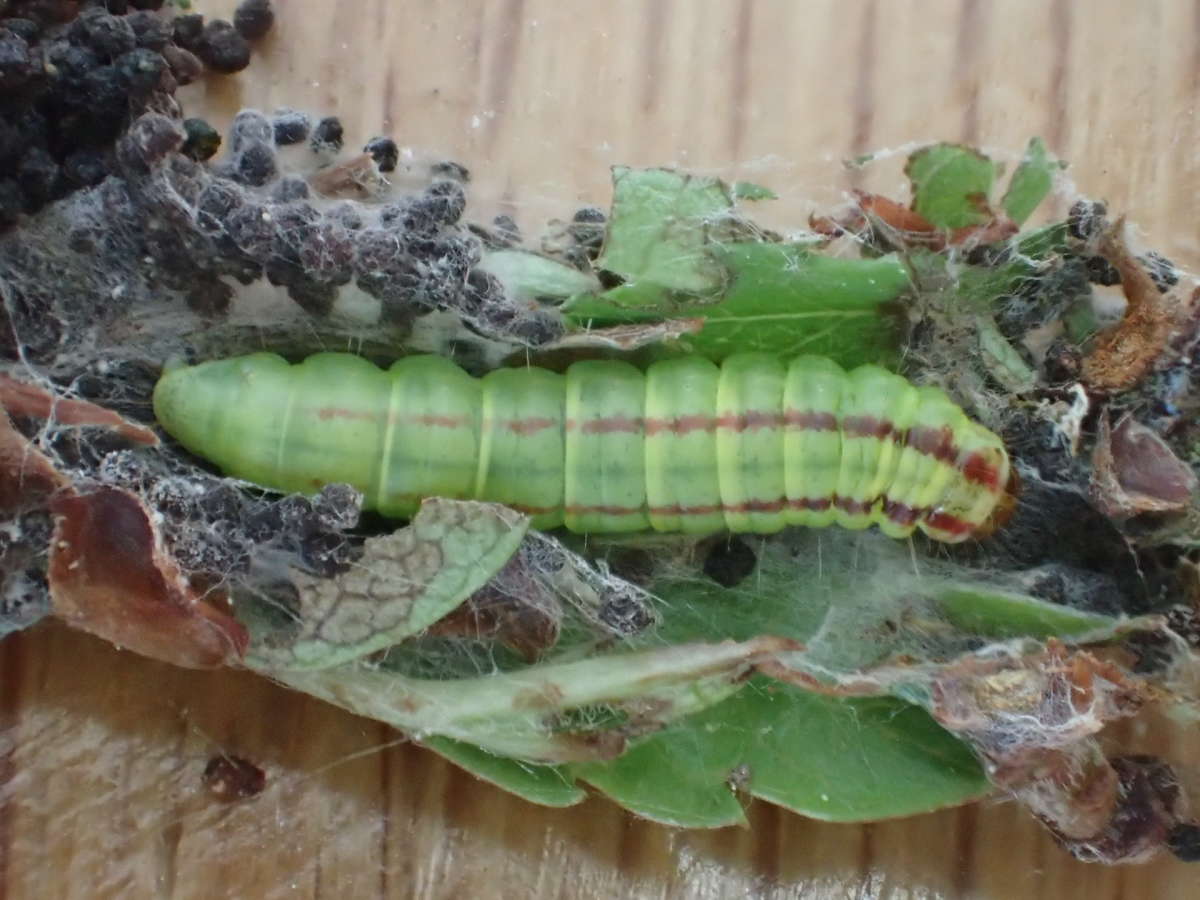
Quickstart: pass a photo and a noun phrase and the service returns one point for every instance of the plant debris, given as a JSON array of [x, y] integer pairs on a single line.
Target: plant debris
[[110, 574], [1125, 353], [1134, 471], [230, 778], [678, 677]]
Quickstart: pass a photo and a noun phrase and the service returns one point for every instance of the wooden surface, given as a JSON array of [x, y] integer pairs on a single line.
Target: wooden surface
[[103, 752]]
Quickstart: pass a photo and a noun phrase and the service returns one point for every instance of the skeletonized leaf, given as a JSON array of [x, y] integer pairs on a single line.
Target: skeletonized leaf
[[404, 583]]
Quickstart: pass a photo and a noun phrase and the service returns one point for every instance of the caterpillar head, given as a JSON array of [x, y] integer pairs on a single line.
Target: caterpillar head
[[1005, 507]]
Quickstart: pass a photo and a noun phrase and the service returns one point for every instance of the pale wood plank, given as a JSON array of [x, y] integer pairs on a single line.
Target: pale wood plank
[[101, 786]]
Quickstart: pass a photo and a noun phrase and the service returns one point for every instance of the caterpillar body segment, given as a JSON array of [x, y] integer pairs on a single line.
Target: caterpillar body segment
[[605, 465], [681, 492], [522, 445], [752, 445], [813, 409]]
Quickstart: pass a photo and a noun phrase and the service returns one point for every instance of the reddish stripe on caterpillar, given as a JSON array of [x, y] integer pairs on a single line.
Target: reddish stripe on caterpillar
[[810, 421], [524, 426], [854, 507], [792, 419], [935, 442], [607, 425], [736, 422], [812, 504], [680, 425], [901, 513], [981, 470], [948, 523], [750, 420], [336, 412], [867, 427]]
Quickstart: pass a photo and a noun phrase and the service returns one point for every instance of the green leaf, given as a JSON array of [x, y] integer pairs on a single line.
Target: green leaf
[[541, 784], [779, 298], [661, 226], [1040, 244], [1031, 182], [683, 253], [855, 760], [1004, 614], [1001, 358], [837, 760], [748, 190], [951, 184], [531, 276], [404, 582], [679, 777], [787, 300], [853, 600]]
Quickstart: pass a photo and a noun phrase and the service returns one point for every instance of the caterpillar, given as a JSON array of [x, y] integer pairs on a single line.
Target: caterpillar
[[753, 444]]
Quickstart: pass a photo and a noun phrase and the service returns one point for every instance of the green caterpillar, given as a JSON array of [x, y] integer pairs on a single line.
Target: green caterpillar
[[751, 445]]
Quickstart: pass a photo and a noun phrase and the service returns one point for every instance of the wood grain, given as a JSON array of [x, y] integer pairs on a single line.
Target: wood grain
[[102, 752]]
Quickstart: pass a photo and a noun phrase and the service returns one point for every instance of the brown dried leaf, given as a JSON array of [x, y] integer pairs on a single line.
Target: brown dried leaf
[[1034, 718], [1121, 811], [230, 778], [828, 226], [1051, 699], [1124, 354], [894, 215], [1072, 789], [358, 177], [514, 608], [27, 476], [907, 227], [988, 233], [23, 399], [1134, 471], [1100, 810], [109, 574]]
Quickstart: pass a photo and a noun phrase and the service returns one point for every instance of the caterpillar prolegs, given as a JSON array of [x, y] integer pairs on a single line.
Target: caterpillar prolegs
[[751, 445]]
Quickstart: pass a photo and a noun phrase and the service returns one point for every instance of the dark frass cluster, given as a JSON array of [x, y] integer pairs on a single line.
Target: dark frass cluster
[[239, 528], [224, 46], [106, 276], [206, 223], [71, 83], [256, 219]]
